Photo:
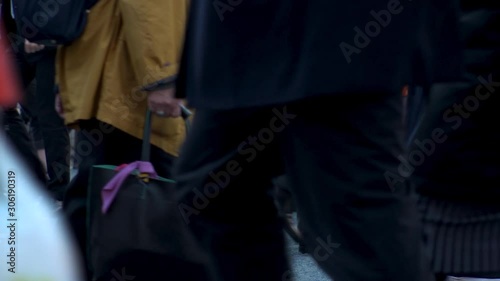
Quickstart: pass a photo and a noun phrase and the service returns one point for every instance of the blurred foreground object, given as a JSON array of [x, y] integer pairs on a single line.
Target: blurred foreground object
[[34, 242], [8, 88], [294, 92]]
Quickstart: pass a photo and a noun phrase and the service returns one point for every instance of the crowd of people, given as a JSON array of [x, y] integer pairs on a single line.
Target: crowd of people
[[306, 94]]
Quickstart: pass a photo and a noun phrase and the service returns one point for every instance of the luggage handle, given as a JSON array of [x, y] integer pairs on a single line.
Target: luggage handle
[[144, 167], [146, 142]]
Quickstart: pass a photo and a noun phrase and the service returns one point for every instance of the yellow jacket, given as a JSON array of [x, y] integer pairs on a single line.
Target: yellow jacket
[[126, 46]]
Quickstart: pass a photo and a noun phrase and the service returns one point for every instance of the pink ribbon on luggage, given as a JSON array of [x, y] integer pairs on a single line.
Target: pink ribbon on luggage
[[109, 191]]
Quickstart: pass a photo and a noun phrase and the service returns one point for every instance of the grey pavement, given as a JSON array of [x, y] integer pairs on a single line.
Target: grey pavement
[[303, 266]]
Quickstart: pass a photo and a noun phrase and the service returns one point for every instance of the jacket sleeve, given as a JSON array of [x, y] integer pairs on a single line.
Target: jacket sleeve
[[154, 35]]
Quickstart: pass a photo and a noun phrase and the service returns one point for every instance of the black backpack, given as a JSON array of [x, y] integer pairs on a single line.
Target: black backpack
[[51, 22]]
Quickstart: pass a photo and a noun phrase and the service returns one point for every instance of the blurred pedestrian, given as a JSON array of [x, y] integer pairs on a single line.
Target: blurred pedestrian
[[37, 62], [124, 63], [9, 93], [298, 87], [459, 178], [10, 119]]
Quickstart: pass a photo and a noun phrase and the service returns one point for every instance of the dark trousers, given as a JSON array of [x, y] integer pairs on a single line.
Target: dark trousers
[[17, 134], [47, 126], [335, 152], [99, 143]]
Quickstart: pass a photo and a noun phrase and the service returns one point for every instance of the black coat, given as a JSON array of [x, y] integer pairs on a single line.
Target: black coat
[[466, 167], [260, 52], [459, 176], [15, 39]]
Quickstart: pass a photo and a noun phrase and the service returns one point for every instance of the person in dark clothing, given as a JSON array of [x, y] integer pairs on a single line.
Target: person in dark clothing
[[37, 62], [12, 122], [311, 89], [459, 179], [45, 119], [16, 131]]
